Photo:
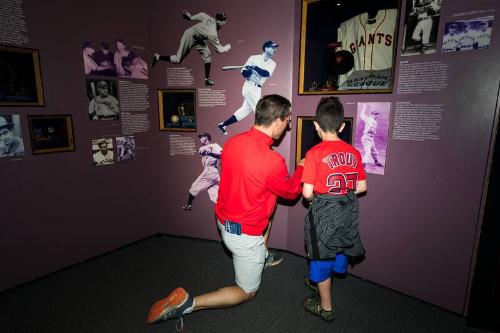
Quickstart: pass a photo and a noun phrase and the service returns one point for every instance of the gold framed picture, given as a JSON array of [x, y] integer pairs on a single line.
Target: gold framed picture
[[348, 47], [177, 109], [20, 77]]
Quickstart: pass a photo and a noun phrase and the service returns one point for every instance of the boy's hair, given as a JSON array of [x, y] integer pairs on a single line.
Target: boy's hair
[[271, 107], [330, 114]]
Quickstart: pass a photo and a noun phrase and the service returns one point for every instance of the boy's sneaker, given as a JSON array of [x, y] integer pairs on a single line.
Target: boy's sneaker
[[172, 306], [273, 258], [310, 285], [222, 129], [313, 305]]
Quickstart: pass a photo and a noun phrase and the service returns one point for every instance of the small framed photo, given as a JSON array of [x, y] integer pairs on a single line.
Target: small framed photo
[[11, 138], [51, 133], [177, 111], [125, 148], [102, 98], [307, 137], [102, 151], [20, 77], [348, 47]]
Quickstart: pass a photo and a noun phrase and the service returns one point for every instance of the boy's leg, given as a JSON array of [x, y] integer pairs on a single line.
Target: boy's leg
[[325, 289]]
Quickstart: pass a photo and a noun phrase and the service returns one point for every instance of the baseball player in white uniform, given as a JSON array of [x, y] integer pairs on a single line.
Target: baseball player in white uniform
[[197, 37], [370, 152], [258, 68], [451, 40], [209, 179], [424, 9], [482, 36], [104, 156], [466, 39], [371, 41]]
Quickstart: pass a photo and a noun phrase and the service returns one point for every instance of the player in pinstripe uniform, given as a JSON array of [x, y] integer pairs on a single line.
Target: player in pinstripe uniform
[[197, 36], [370, 40], [209, 179], [257, 70]]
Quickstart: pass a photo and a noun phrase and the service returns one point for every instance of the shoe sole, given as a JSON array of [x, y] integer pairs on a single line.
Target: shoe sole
[[158, 311], [273, 263]]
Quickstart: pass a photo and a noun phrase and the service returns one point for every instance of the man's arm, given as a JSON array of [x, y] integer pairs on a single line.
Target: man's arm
[[282, 184]]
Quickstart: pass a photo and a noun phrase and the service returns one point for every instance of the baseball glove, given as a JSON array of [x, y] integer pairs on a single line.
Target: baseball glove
[[186, 15]]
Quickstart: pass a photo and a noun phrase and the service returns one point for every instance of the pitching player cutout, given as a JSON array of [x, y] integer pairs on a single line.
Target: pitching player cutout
[[209, 178], [197, 37], [256, 71]]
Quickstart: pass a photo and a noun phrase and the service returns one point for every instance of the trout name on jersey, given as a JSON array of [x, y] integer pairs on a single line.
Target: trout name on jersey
[[375, 38], [340, 159]]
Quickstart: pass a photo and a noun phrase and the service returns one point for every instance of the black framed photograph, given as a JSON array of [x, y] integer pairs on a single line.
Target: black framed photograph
[[348, 47], [421, 25], [20, 77], [102, 99], [307, 137], [177, 111], [51, 133]]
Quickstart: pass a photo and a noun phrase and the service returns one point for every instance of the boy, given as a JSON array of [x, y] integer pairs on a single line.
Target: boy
[[333, 175]]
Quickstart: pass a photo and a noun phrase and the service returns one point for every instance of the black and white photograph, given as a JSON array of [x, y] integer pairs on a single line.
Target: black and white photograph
[[102, 151], [343, 42], [466, 35], [11, 139], [51, 133], [102, 98], [125, 148], [421, 27], [20, 77]]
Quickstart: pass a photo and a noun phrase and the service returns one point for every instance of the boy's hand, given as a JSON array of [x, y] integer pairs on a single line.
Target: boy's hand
[[301, 162]]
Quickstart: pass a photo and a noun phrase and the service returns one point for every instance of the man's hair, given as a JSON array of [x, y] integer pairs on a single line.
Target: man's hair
[[330, 114], [271, 107]]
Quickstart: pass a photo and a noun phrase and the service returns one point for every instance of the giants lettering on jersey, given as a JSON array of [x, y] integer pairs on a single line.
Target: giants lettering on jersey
[[340, 159], [375, 38]]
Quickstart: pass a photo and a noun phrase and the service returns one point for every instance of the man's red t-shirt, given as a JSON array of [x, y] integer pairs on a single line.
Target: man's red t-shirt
[[252, 176]]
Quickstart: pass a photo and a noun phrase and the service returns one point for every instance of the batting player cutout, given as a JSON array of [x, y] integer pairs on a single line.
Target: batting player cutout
[[209, 178], [257, 69], [197, 37]]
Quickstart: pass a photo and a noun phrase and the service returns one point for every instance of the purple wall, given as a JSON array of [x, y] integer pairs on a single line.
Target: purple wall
[[247, 28], [58, 209], [418, 221]]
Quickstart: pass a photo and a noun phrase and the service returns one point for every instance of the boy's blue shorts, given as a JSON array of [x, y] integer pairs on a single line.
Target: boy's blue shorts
[[320, 270]]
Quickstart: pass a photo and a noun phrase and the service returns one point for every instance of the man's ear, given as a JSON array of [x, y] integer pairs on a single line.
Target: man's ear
[[316, 125], [342, 127]]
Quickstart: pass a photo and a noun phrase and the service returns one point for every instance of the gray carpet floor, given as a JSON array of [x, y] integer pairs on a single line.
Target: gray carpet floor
[[113, 293]]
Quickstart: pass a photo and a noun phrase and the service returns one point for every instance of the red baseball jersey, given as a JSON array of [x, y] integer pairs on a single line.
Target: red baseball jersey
[[333, 167]]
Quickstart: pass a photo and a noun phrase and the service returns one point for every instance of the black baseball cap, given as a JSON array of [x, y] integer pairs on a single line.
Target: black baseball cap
[[269, 43], [205, 134]]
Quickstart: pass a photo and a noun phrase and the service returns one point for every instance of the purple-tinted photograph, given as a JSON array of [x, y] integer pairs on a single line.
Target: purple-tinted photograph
[[467, 35], [113, 59], [372, 130], [125, 148]]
